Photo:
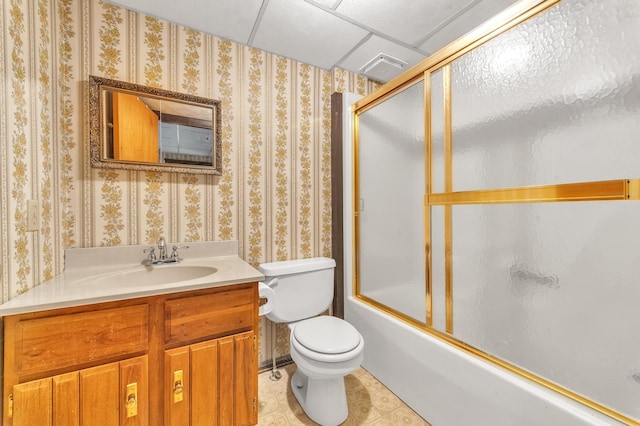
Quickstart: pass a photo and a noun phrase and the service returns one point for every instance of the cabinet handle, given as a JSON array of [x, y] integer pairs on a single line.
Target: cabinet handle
[[178, 394], [132, 400], [10, 406]]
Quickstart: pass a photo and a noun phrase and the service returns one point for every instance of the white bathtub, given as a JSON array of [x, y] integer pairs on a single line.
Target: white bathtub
[[444, 385], [449, 387]]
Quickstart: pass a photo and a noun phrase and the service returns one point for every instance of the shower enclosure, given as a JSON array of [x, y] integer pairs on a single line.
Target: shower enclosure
[[495, 209]]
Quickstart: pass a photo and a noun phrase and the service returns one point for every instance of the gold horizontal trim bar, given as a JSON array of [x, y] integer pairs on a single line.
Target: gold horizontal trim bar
[[448, 338], [623, 189]]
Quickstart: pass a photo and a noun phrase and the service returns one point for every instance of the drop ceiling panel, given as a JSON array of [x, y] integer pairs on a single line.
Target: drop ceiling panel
[[299, 30], [229, 19], [372, 47], [404, 20], [464, 23]]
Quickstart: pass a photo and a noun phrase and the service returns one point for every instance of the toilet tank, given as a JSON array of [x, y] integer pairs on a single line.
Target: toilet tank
[[303, 288]]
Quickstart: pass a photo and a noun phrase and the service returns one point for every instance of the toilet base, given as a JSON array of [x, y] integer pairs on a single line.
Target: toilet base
[[323, 400]]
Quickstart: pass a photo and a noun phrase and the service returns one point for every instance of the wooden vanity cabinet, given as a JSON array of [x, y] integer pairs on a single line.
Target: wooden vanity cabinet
[[213, 381], [185, 358]]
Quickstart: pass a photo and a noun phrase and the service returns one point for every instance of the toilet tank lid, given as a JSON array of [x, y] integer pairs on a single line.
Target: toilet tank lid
[[274, 269]]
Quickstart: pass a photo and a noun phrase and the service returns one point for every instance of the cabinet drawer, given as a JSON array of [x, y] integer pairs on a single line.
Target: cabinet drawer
[[211, 315], [65, 341]]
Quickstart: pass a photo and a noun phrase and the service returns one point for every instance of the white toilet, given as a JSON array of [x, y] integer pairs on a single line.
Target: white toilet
[[324, 348]]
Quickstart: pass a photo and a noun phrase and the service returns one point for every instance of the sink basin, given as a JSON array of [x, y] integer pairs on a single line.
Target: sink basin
[[148, 276]]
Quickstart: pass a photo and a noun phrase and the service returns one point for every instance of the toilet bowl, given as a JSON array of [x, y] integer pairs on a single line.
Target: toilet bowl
[[324, 348], [323, 359]]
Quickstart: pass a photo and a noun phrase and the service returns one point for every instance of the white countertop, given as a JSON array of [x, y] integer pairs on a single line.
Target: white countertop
[[76, 285]]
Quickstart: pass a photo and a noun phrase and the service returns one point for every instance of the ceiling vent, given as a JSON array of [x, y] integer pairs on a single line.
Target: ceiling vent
[[383, 67]]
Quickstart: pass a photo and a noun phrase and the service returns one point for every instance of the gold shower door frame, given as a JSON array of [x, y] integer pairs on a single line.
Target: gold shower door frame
[[614, 190]]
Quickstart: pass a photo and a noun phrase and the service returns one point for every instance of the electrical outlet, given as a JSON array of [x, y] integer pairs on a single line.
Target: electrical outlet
[[33, 215]]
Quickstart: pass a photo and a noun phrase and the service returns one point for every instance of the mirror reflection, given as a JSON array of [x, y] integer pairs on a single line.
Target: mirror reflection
[[145, 128]]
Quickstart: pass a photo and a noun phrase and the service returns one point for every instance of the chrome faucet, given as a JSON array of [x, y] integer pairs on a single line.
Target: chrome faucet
[[162, 258], [162, 249]]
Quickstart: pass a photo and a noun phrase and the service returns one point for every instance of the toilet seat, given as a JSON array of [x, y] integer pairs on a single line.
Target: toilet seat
[[327, 335], [326, 339]]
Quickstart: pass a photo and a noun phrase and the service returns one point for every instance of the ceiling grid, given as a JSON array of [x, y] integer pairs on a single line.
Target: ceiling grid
[[376, 38]]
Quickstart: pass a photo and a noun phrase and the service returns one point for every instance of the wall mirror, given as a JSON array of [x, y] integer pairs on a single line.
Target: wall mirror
[[145, 128]]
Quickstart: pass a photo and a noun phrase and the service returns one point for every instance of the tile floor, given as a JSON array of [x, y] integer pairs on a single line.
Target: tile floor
[[370, 403]]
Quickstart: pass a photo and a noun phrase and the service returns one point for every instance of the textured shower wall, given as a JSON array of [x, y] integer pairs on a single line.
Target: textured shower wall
[[273, 197]]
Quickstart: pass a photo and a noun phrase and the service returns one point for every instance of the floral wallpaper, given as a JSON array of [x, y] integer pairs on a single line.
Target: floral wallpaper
[[274, 195]]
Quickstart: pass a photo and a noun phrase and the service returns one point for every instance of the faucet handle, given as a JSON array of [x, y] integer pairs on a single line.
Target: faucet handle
[[152, 254], [174, 253]]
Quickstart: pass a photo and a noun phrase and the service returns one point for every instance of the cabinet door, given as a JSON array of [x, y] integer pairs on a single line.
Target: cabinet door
[[237, 380], [94, 396], [218, 380]]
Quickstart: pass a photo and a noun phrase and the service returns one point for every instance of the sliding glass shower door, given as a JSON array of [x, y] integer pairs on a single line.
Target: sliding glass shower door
[[390, 203], [498, 197]]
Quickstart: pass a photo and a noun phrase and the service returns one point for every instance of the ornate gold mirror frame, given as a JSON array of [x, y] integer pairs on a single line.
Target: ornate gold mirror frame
[[134, 127]]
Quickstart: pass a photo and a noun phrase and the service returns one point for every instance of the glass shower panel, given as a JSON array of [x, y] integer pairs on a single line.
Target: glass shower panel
[[391, 180], [553, 100], [553, 288], [437, 132]]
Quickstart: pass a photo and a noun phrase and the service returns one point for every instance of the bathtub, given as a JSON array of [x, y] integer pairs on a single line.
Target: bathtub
[[446, 386]]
